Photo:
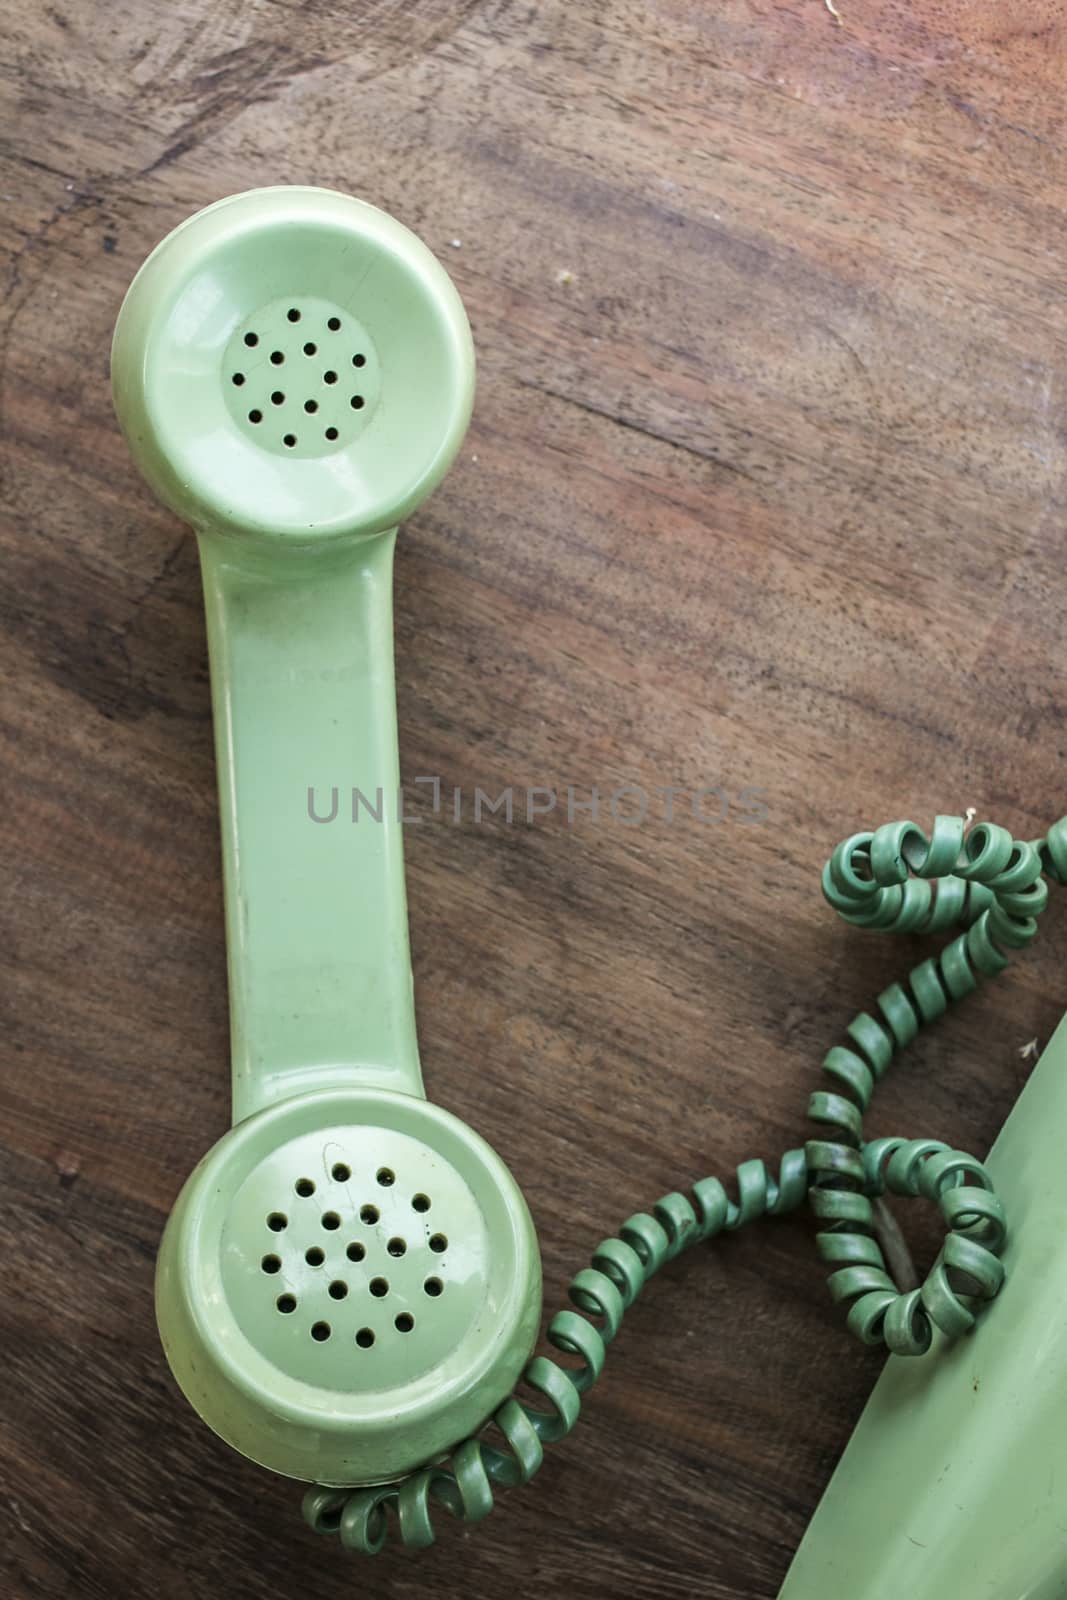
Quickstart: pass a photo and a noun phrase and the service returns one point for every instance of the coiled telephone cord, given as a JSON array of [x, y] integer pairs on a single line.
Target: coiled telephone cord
[[896, 880]]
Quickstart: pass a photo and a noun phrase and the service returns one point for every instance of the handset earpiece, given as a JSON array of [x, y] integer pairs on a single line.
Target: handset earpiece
[[349, 1283]]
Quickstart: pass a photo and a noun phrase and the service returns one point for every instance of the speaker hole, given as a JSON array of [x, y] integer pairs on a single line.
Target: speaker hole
[[386, 1176], [396, 1247], [293, 314], [368, 1213], [255, 416], [331, 433], [289, 440], [438, 1242], [357, 402], [277, 1221], [286, 1303], [276, 358], [404, 1322], [359, 361], [314, 1257], [304, 1187], [320, 1331], [433, 1287], [311, 405], [271, 1264], [251, 340], [379, 1287], [338, 1290], [331, 1220], [355, 1252], [365, 1338], [329, 377], [310, 349], [238, 378], [340, 1173], [420, 1202], [277, 398], [334, 324]]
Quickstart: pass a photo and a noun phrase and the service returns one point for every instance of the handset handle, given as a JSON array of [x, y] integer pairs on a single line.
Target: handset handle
[[301, 651]]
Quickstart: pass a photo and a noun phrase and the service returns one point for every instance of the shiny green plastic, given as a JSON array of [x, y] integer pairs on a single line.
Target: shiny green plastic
[[420, 1347], [349, 1282], [316, 926], [952, 1483], [349, 1285]]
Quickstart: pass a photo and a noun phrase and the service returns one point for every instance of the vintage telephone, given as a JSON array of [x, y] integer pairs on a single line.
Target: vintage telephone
[[349, 1287]]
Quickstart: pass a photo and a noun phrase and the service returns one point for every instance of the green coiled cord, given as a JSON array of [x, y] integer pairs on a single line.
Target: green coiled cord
[[896, 880]]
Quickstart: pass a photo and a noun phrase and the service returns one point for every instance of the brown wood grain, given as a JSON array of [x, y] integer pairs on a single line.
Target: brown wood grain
[[765, 489]]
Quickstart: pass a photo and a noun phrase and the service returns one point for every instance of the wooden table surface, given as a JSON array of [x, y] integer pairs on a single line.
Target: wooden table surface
[[764, 492]]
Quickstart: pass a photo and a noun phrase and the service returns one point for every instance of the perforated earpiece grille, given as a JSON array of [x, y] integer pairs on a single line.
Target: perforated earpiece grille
[[302, 377]]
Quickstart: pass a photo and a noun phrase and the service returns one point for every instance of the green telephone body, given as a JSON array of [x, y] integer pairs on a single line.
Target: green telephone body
[[953, 1481]]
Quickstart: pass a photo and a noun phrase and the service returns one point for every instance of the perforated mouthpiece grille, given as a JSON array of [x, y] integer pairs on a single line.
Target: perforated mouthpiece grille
[[357, 1261]]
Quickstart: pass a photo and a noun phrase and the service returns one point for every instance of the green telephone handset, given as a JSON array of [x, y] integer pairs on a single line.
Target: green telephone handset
[[349, 1286], [350, 1279]]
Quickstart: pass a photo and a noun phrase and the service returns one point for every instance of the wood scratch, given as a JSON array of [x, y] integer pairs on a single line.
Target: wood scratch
[[636, 426], [16, 1512]]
